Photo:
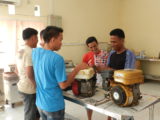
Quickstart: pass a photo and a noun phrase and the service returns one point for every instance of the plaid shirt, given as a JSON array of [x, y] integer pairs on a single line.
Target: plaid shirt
[[100, 59]]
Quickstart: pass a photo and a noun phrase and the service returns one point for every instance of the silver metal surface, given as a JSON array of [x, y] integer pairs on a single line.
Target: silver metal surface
[[110, 109], [151, 112], [149, 59]]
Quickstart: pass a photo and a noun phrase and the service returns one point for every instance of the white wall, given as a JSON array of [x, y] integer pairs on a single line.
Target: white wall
[[84, 18], [25, 11], [141, 21], [26, 7], [80, 19]]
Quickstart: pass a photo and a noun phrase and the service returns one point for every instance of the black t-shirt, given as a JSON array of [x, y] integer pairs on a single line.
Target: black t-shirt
[[117, 61]]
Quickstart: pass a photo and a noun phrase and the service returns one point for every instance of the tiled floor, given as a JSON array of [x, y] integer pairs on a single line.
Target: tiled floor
[[150, 87]]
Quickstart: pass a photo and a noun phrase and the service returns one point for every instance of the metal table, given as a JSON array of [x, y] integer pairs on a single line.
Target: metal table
[[110, 109]]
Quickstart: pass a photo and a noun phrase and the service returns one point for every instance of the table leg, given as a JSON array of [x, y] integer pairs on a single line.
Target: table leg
[[151, 112], [125, 118]]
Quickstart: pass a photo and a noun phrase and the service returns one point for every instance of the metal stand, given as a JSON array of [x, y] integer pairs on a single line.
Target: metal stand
[[110, 109], [151, 112]]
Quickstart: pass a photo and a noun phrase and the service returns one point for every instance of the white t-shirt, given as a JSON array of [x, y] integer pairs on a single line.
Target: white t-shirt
[[24, 59]]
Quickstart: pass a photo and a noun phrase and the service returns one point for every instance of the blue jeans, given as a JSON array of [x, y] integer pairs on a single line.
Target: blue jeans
[[58, 115], [30, 109]]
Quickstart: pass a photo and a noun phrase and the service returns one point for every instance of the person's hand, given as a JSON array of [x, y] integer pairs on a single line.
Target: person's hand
[[34, 84], [90, 62], [82, 66], [102, 68]]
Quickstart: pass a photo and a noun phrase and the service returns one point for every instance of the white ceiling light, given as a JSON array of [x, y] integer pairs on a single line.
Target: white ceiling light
[[11, 9], [37, 10]]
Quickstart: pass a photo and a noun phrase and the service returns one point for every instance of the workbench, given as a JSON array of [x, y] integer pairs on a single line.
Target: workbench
[[107, 107], [150, 67]]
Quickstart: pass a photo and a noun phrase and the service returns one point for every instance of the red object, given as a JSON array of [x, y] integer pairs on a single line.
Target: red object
[[89, 58], [75, 88]]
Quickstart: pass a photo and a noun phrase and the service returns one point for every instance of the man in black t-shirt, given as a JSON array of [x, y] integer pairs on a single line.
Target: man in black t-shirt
[[119, 57]]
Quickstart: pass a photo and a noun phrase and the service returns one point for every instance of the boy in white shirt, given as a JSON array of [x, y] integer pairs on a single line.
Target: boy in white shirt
[[26, 84]]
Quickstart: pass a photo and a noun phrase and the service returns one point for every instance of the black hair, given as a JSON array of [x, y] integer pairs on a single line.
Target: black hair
[[29, 32], [51, 31], [41, 33], [117, 32], [90, 40]]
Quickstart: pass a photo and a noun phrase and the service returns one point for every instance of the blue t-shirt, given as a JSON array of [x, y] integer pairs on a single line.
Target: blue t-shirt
[[49, 70]]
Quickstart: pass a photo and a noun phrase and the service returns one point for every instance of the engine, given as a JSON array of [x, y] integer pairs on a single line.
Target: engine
[[85, 83], [123, 86]]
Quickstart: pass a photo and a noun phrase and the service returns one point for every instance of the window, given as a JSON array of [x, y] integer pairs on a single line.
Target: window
[[11, 38]]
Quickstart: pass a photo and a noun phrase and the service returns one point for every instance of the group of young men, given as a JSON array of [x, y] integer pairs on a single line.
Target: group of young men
[[118, 58], [42, 71]]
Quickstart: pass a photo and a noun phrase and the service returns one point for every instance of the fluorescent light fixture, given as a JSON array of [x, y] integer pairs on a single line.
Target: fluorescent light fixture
[[37, 10], [11, 9]]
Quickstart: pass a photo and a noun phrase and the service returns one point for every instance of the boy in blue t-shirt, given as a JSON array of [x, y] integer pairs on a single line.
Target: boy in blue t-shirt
[[50, 75]]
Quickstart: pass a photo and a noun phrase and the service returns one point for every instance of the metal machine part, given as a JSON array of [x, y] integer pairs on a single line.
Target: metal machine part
[[118, 95], [83, 87], [128, 76], [86, 74], [121, 95], [125, 95], [136, 94], [107, 75], [123, 86]]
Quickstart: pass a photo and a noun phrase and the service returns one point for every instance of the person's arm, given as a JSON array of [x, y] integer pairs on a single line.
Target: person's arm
[[88, 58], [107, 67], [60, 72], [30, 74], [102, 68], [130, 60], [29, 67], [72, 75]]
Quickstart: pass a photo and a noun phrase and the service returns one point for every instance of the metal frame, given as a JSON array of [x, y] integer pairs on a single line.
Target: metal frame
[[116, 115], [151, 112]]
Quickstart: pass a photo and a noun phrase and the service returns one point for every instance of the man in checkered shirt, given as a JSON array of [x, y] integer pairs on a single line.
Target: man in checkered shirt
[[95, 57]]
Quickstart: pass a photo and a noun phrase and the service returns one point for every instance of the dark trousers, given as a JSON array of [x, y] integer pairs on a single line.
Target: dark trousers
[[30, 109], [58, 115]]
